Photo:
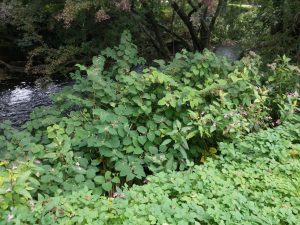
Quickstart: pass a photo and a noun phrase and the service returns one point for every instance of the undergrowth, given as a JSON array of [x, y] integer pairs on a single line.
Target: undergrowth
[[114, 127]]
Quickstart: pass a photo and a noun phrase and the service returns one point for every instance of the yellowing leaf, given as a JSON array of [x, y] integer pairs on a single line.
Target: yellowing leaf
[[3, 163], [213, 150], [294, 153], [203, 159], [295, 103]]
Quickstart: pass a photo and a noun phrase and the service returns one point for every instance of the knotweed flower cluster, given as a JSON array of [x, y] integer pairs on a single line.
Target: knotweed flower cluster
[[101, 15]]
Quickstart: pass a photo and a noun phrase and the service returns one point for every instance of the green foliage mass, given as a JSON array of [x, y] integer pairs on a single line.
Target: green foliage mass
[[270, 27], [53, 35], [115, 126], [256, 182]]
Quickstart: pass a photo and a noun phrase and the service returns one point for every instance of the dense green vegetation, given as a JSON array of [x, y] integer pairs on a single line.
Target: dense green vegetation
[[271, 29], [188, 138], [256, 182], [54, 35], [116, 126]]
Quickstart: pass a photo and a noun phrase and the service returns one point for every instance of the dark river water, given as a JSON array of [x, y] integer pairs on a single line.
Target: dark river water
[[20, 93], [232, 53]]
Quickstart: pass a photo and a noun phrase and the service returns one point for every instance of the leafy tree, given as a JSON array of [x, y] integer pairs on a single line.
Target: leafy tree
[[273, 29], [58, 34]]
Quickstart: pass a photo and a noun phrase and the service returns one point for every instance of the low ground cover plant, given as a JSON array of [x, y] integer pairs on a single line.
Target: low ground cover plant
[[260, 186]]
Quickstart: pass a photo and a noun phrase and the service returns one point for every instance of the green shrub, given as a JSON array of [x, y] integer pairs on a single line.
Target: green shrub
[[283, 78], [262, 189], [114, 125], [277, 144]]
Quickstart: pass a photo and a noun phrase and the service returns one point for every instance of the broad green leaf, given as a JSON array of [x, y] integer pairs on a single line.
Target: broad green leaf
[[138, 151], [142, 139], [151, 136], [99, 179], [107, 186], [142, 129], [153, 150], [116, 180], [79, 178], [127, 141], [165, 142], [90, 173]]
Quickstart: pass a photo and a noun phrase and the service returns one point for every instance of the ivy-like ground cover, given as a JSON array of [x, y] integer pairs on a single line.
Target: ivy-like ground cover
[[79, 161], [256, 182]]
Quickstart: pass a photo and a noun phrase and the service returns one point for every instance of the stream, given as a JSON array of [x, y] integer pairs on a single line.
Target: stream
[[232, 52], [21, 93]]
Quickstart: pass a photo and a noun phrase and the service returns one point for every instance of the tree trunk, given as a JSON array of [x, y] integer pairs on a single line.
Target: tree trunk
[[154, 26], [186, 20], [11, 68], [277, 25]]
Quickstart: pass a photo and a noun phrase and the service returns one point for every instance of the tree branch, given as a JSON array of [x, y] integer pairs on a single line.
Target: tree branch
[[192, 5], [186, 20], [152, 25], [12, 68], [217, 13], [155, 28], [184, 42], [152, 39]]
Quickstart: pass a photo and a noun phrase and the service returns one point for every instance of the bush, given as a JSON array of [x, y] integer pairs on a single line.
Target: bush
[[260, 187], [115, 126]]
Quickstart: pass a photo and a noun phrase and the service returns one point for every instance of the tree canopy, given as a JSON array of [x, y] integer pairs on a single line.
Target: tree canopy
[[56, 34]]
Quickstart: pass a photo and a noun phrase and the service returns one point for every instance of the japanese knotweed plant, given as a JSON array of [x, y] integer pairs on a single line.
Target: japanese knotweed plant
[[115, 125], [16, 187], [165, 117]]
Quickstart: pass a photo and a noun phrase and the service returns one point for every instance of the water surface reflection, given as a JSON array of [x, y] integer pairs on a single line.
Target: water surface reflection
[[18, 96]]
